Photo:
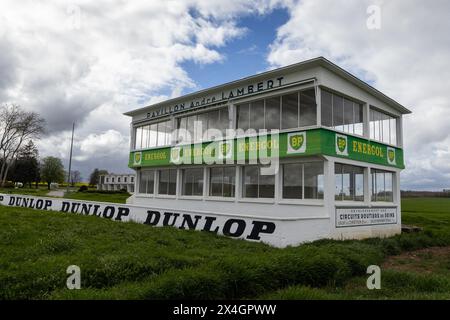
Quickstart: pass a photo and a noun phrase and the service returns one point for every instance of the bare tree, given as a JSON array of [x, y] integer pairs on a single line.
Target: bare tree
[[75, 177], [17, 127]]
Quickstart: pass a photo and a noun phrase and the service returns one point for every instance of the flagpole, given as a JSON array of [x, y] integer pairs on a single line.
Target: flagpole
[[70, 158]]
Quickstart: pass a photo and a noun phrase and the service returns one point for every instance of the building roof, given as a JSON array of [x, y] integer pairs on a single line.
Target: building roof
[[319, 61]]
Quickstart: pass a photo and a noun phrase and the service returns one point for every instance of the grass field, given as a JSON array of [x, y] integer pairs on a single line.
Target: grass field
[[95, 196], [133, 261], [40, 192]]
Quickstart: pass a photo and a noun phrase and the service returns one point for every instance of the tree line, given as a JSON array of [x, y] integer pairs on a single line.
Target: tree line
[[19, 156]]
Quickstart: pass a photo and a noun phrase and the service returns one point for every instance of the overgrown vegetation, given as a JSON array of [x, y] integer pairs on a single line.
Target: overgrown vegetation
[[132, 261], [99, 195]]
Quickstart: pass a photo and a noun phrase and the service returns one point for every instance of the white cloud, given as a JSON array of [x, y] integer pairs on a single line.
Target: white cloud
[[408, 59], [89, 61]]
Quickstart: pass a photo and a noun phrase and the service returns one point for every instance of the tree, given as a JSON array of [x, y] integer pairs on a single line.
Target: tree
[[26, 167], [75, 177], [17, 127], [94, 178], [52, 170]]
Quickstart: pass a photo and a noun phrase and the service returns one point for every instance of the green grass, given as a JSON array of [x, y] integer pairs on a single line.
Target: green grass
[[94, 196], [41, 191], [133, 261]]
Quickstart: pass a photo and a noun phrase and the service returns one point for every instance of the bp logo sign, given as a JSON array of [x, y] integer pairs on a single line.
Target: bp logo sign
[[225, 150], [391, 156], [296, 142], [341, 145], [137, 158], [175, 154]]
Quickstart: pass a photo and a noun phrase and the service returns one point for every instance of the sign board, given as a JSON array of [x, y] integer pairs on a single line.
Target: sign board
[[357, 217], [232, 226], [297, 143]]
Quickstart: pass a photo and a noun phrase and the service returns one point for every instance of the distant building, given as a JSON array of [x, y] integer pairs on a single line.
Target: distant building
[[116, 182]]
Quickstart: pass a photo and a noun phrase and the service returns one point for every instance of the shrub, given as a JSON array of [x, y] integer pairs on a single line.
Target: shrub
[[83, 189]]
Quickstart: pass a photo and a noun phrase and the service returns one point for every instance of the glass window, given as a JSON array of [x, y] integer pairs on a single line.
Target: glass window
[[243, 116], [138, 144], [153, 135], [257, 115], [213, 123], [293, 181], [348, 116], [272, 113], [251, 181], [222, 181], [224, 120], [327, 108], [341, 113], [190, 127], [383, 127], [257, 185], [201, 127], [192, 182], [145, 135], [167, 181], [358, 111], [308, 108], [147, 181], [349, 182], [289, 111], [338, 112], [382, 185], [182, 127], [314, 180]]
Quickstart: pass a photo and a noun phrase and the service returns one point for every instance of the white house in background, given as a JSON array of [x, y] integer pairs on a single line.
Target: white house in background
[[116, 182]]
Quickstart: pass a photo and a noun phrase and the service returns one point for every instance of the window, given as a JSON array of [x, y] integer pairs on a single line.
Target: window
[[147, 181], [289, 111], [167, 181], [222, 181], [125, 179], [112, 179], [195, 126], [153, 135], [272, 113], [293, 110], [132, 179], [192, 182], [383, 127], [308, 108], [303, 180], [118, 179], [349, 182], [107, 179], [382, 185], [341, 113], [256, 185]]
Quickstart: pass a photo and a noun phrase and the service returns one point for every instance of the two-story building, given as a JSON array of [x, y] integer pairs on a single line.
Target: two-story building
[[117, 182], [309, 148]]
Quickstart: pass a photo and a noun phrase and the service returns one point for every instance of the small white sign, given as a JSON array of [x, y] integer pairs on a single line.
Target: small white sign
[[175, 155], [391, 156], [296, 142], [225, 150], [355, 217], [341, 145]]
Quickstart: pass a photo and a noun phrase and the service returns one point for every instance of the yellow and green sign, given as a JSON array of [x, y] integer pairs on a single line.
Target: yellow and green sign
[[293, 144]]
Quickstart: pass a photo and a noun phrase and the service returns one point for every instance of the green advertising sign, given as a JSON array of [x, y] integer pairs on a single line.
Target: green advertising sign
[[292, 144]]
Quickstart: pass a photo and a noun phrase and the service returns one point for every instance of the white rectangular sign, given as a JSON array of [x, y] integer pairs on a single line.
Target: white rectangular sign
[[355, 217]]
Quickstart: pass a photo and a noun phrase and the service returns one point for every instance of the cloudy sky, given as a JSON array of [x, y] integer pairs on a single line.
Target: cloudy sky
[[90, 61]]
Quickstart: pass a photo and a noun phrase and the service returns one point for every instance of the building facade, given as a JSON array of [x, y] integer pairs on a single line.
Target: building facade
[[117, 182], [308, 148]]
